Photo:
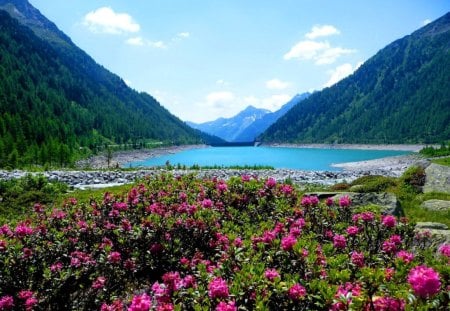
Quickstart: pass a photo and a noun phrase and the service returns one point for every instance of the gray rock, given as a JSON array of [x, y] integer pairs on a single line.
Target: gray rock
[[386, 201], [436, 205], [431, 225], [439, 232], [437, 178]]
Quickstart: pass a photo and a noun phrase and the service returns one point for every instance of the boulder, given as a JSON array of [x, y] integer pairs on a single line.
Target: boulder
[[437, 178], [439, 232], [436, 205], [386, 201]]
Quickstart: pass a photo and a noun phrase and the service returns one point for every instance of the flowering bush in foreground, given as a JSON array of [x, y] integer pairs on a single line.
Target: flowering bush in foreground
[[179, 243]]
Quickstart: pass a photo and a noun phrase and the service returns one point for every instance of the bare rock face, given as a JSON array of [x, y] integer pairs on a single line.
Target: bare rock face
[[437, 178]]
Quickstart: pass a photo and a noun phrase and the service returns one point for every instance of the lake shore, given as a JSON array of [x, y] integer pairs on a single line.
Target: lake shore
[[399, 147], [120, 158]]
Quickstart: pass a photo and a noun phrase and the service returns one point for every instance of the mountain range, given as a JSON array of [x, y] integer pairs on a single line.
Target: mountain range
[[400, 95], [247, 124]]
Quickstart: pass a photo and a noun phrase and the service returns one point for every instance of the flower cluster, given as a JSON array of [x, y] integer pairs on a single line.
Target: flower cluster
[[182, 243]]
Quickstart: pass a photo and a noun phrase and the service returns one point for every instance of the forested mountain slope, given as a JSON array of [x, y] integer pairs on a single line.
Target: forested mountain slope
[[55, 99], [400, 95]]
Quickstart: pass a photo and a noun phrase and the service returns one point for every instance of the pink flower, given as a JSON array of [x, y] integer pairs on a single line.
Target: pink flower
[[218, 288], [352, 230], [344, 201], [329, 202], [445, 250], [296, 292], [22, 230], [358, 259], [271, 274], [367, 216], [165, 306], [314, 200], [207, 203], [405, 256], [271, 182], [339, 241], [57, 266], [6, 302], [99, 283], [424, 281], [389, 221], [30, 303], [389, 273], [117, 305], [306, 201], [389, 247], [25, 294], [114, 257], [287, 243], [226, 306], [140, 303], [389, 304], [222, 187], [286, 189]]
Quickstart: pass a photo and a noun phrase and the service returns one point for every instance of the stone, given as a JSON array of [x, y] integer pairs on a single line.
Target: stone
[[437, 178], [436, 205], [386, 201], [431, 225], [439, 232]]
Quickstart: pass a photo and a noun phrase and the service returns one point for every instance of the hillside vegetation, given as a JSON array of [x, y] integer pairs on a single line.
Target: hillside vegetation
[[56, 103], [400, 95]]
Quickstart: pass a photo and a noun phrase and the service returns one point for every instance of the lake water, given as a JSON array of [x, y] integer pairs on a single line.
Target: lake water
[[289, 158]]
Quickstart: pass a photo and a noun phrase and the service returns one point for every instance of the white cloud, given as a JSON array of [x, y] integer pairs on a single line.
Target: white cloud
[[183, 35], [276, 84], [219, 99], [340, 72], [306, 49], [157, 44], [330, 55], [139, 41], [320, 52], [426, 22], [135, 41], [322, 31], [273, 102], [105, 20]]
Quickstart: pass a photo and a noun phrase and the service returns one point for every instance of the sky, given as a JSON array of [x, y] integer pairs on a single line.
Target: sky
[[205, 59]]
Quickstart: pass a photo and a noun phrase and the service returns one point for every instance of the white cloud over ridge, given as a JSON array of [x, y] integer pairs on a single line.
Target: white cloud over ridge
[[426, 22], [340, 72], [320, 52], [322, 31], [277, 84], [105, 20]]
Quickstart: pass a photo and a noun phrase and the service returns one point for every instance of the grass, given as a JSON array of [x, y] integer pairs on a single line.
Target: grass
[[442, 161]]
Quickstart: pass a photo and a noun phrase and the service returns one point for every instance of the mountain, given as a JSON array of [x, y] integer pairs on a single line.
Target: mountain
[[400, 95], [57, 103], [251, 132], [230, 128]]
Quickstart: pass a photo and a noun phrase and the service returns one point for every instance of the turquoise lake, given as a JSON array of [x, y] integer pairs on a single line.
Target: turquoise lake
[[289, 158]]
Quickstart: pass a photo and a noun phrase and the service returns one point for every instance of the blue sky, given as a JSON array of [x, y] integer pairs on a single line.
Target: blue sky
[[204, 59]]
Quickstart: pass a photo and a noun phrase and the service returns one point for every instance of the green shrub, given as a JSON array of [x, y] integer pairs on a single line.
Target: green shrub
[[413, 179], [373, 183]]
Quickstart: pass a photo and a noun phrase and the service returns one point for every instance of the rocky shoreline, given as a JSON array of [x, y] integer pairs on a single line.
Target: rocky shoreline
[[104, 178], [92, 172]]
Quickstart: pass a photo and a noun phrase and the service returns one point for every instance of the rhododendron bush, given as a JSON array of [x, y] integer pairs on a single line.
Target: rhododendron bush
[[180, 243]]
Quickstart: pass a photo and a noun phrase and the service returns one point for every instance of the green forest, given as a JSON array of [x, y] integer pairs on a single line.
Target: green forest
[[57, 104], [401, 95]]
